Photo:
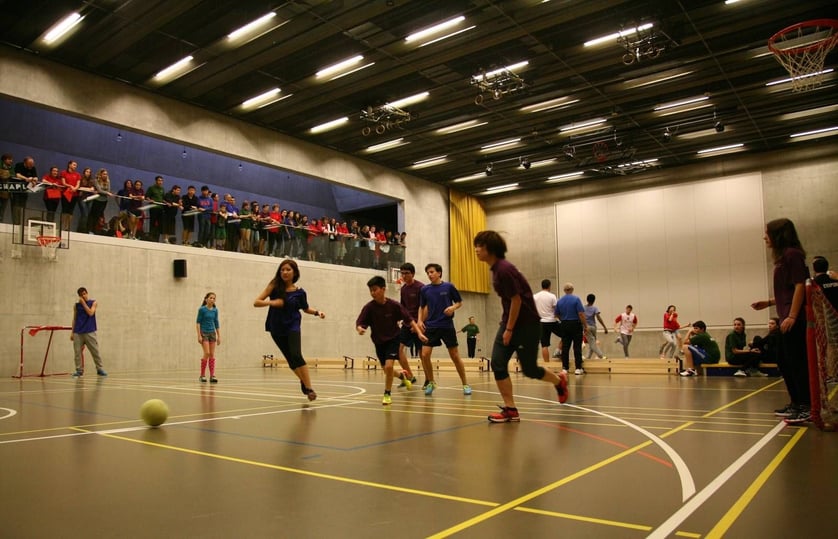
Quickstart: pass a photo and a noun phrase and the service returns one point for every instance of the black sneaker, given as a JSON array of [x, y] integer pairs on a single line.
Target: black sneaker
[[802, 416], [203, 379], [213, 380], [786, 411]]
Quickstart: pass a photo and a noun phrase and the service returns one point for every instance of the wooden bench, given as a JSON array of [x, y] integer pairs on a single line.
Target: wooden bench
[[346, 362], [724, 368]]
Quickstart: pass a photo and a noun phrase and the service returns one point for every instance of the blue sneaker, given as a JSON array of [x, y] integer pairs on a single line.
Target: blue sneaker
[[429, 389], [101, 372], [78, 374]]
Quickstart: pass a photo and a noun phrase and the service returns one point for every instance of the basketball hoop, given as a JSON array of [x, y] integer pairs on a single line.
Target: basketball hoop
[[49, 245], [802, 49]]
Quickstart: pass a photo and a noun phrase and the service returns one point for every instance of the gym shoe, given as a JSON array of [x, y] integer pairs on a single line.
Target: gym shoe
[[213, 380], [429, 389], [740, 372], [579, 371], [803, 415], [688, 372], [466, 389], [78, 374], [505, 415], [203, 379], [788, 410], [387, 400], [557, 354], [101, 372], [561, 388], [311, 395], [757, 373]]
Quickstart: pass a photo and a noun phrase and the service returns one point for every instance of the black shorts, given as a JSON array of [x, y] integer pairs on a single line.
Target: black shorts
[[437, 336], [387, 351], [547, 329], [408, 338]]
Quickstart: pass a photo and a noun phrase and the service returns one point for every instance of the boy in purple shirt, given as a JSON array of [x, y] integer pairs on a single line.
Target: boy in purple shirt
[[520, 329], [84, 332], [437, 303], [383, 315]]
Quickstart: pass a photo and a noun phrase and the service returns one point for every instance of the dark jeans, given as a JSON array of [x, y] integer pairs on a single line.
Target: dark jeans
[[571, 336]]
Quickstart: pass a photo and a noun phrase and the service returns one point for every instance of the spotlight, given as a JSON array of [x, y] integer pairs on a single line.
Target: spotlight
[[119, 137], [525, 163], [489, 169], [719, 127], [183, 155], [667, 135]]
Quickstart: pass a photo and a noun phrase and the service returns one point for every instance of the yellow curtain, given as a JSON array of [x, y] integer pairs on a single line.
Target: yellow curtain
[[467, 218]]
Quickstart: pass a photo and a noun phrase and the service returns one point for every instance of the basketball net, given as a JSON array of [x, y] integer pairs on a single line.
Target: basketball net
[[49, 246], [802, 49], [822, 349]]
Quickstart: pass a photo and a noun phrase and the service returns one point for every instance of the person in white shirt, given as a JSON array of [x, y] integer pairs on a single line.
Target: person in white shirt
[[625, 324], [545, 304]]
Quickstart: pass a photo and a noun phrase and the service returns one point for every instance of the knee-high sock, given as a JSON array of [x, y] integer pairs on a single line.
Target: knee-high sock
[[212, 366], [203, 367]]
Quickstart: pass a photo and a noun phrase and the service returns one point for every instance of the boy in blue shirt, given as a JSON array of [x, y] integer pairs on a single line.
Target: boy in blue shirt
[[84, 332]]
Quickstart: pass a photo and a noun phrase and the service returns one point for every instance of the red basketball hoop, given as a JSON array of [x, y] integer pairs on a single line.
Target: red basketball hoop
[[802, 49], [49, 245]]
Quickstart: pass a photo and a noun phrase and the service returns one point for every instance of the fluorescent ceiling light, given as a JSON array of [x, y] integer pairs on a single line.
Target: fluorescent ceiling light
[[710, 131], [616, 35], [730, 2], [808, 112], [502, 145], [334, 124], [421, 34], [543, 162], [430, 162], [353, 71], [446, 36], [583, 125], [681, 103], [261, 99], [721, 149], [469, 177], [251, 26], [459, 127], [549, 104], [636, 163], [399, 103], [498, 71], [502, 187], [340, 66], [657, 78], [386, 145], [180, 65], [824, 72], [828, 131], [62, 27], [564, 177]]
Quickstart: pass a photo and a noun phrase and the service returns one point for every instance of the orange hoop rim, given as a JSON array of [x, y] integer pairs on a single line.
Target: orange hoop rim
[[828, 42], [48, 241]]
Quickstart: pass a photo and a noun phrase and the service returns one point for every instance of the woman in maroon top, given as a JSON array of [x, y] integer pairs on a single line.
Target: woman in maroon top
[[790, 274]]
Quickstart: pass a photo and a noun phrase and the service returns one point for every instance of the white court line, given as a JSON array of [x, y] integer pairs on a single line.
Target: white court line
[[665, 529], [10, 414], [687, 482]]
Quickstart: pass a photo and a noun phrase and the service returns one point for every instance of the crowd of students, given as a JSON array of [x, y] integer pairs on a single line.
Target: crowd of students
[[207, 219]]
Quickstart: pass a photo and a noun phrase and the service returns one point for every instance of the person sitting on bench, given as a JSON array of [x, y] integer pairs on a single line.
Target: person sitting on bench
[[738, 352]]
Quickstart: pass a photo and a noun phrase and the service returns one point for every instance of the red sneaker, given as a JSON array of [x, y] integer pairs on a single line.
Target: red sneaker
[[505, 415], [561, 388]]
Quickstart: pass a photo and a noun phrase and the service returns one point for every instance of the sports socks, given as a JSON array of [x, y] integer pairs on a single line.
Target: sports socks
[[203, 367], [212, 366]]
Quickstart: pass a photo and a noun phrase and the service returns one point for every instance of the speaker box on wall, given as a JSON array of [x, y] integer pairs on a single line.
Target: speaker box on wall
[[180, 268]]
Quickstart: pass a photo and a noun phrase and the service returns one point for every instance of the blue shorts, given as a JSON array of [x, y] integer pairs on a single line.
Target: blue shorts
[[699, 355], [437, 336]]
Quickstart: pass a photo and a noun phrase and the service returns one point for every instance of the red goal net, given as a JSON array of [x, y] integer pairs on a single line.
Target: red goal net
[[822, 346], [37, 339]]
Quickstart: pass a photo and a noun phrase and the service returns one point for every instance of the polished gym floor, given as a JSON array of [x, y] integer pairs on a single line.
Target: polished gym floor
[[628, 456]]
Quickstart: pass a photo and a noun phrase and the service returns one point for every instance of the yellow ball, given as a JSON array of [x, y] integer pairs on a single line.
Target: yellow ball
[[154, 412]]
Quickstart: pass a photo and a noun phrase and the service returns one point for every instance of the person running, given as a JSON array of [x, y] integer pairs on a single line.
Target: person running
[[437, 303], [519, 331], [409, 296], [285, 301], [624, 327], [592, 314], [383, 315], [209, 336]]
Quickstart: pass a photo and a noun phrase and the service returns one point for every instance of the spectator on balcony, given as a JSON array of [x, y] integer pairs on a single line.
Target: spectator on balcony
[[25, 172], [87, 186], [96, 214], [188, 204]]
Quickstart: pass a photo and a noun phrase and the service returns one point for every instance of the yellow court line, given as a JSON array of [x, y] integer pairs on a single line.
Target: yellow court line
[[592, 520], [543, 490], [738, 508], [302, 472]]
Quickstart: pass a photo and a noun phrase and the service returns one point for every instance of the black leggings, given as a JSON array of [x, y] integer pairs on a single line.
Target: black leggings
[[290, 347]]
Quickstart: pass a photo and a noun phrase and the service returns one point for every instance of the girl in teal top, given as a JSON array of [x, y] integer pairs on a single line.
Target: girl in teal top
[[209, 335]]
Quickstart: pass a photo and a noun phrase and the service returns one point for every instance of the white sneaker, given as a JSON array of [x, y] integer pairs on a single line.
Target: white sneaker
[[740, 372], [688, 372], [578, 371]]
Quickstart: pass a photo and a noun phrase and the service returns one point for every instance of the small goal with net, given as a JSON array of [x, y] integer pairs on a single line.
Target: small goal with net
[[822, 347], [38, 346]]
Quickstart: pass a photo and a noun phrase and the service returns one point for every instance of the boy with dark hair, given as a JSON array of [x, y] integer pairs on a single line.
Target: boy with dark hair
[[519, 330], [699, 348], [383, 315], [409, 296], [84, 332], [437, 303]]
